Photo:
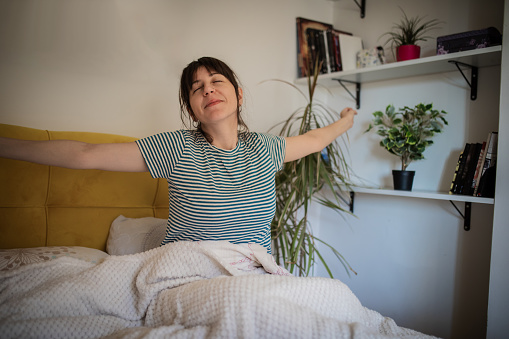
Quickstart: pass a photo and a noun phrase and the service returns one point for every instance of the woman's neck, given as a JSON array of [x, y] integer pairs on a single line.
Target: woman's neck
[[224, 138], [226, 144]]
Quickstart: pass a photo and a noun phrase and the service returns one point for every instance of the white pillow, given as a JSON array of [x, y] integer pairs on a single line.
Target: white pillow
[[135, 235], [16, 257]]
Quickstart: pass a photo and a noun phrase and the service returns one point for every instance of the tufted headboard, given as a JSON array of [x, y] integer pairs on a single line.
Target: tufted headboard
[[52, 206]]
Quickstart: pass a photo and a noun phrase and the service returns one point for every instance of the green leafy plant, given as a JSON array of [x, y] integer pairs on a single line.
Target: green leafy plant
[[302, 181], [408, 132], [410, 30]]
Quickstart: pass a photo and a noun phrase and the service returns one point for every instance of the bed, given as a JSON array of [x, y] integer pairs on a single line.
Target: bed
[[80, 258]]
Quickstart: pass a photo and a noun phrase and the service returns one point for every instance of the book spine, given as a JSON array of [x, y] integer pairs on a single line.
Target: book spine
[[469, 179], [494, 148], [489, 163], [489, 154], [337, 53], [326, 55], [310, 37], [320, 43], [478, 170], [331, 50], [455, 176], [300, 58], [461, 171]]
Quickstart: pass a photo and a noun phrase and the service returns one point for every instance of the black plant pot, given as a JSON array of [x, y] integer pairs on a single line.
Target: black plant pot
[[403, 180]]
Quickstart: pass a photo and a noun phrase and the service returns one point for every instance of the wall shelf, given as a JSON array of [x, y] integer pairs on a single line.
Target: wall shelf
[[473, 59], [468, 200], [425, 195], [485, 57]]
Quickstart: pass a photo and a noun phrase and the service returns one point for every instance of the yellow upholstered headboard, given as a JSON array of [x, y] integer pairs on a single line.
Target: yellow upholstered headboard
[[52, 206]]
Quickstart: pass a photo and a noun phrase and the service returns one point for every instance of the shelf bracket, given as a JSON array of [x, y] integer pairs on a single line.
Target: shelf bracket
[[362, 7], [473, 77], [466, 216], [352, 198], [357, 96]]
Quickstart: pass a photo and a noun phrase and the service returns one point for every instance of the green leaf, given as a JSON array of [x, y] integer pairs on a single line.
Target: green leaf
[[411, 140]]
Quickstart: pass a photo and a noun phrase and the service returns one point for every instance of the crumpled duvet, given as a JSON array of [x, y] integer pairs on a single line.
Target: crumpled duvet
[[183, 290]]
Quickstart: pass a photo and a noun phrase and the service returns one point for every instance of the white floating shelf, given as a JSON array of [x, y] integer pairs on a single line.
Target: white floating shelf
[[485, 57], [425, 195]]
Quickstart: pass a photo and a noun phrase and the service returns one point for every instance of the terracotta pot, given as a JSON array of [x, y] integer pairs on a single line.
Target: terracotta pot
[[408, 52], [403, 180]]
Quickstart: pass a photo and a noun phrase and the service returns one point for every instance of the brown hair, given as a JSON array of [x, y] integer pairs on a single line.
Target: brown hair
[[186, 82]]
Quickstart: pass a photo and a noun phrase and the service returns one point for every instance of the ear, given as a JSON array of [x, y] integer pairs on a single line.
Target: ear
[[241, 96]]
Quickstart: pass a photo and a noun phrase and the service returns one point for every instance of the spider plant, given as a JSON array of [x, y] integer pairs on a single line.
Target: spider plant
[[409, 31], [320, 177]]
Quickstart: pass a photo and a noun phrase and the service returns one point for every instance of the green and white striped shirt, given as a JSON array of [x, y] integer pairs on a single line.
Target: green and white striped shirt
[[217, 194]]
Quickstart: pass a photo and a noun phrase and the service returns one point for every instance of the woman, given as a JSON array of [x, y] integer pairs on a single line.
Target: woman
[[220, 176]]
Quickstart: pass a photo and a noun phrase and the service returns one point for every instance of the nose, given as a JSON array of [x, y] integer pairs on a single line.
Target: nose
[[208, 89]]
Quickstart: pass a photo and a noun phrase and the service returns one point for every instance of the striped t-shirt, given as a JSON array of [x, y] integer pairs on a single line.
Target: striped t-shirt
[[217, 194]]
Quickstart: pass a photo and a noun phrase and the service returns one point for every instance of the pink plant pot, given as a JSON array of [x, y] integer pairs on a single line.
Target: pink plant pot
[[408, 52]]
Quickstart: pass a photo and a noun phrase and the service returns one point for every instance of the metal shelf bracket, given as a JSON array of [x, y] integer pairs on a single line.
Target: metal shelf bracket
[[352, 198], [466, 216], [474, 75], [362, 7], [357, 96]]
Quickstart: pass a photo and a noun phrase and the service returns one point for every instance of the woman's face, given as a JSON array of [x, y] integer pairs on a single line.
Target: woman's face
[[213, 99]]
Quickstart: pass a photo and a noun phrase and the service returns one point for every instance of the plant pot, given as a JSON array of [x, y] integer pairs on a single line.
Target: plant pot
[[403, 180], [408, 52]]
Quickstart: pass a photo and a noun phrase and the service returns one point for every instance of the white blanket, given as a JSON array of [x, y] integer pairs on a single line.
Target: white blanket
[[182, 290]]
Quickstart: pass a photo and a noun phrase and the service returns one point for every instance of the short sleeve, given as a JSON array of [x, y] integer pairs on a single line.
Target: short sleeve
[[162, 152], [276, 146]]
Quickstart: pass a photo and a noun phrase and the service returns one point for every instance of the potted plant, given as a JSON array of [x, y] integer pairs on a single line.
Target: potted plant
[[406, 133], [303, 181], [405, 35]]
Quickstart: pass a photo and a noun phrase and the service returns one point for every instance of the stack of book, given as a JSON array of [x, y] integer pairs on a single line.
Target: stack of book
[[335, 50], [475, 170]]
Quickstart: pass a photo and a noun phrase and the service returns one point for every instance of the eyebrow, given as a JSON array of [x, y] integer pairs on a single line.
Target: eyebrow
[[210, 75]]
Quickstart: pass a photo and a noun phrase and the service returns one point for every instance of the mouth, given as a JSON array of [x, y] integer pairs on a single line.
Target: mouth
[[212, 103]]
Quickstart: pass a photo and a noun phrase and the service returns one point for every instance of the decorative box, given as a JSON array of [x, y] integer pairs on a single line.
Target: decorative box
[[370, 57], [468, 40]]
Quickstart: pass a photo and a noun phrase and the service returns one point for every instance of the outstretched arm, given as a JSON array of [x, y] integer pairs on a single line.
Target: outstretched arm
[[123, 157], [316, 140]]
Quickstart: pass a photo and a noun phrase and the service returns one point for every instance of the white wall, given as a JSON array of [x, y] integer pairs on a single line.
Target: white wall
[[415, 262], [113, 66]]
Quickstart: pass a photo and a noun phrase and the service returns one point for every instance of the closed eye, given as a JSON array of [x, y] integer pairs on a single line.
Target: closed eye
[[200, 87]]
